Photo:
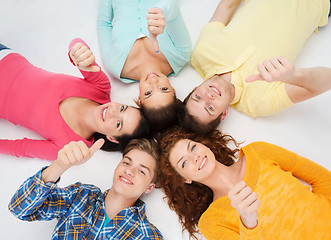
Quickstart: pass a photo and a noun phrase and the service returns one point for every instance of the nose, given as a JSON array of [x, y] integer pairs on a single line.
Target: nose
[[194, 157], [210, 94], [129, 171]]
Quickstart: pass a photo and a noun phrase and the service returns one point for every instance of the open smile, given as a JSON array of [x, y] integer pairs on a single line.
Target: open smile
[[103, 113], [151, 75], [203, 163], [125, 180], [215, 90]]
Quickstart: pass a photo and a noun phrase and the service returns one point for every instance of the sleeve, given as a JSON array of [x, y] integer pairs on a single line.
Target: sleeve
[[312, 173], [36, 200], [176, 28], [98, 79], [105, 28], [32, 148], [262, 98], [213, 229]]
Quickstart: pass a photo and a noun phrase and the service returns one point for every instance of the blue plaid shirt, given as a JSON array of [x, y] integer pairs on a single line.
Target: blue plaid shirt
[[80, 211]]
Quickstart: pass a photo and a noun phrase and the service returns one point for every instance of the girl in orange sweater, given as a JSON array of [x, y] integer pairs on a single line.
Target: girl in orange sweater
[[253, 195]]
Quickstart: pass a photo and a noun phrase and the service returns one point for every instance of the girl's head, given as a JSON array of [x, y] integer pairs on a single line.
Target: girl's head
[[157, 99], [187, 159], [118, 124]]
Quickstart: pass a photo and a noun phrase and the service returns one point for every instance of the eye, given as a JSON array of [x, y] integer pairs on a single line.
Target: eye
[[118, 124], [193, 147], [122, 108], [198, 97], [126, 163], [183, 164], [210, 108], [142, 172], [148, 93], [164, 89]]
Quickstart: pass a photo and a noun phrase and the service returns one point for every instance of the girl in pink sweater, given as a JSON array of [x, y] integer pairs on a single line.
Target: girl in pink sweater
[[63, 108]]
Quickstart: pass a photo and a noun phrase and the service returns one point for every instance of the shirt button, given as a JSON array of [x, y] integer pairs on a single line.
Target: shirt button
[[101, 214]]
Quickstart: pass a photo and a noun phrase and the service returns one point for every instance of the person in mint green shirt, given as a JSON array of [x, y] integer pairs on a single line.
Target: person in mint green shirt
[[145, 41]]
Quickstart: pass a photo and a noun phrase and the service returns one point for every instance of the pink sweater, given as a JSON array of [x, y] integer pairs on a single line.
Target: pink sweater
[[30, 96]]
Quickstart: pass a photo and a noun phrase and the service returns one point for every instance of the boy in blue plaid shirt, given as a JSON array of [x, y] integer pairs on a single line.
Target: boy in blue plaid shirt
[[82, 210]]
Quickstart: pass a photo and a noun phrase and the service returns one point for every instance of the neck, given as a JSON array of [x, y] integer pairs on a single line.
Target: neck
[[115, 203], [232, 174]]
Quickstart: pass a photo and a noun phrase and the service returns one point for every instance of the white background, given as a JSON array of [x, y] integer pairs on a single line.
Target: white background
[[41, 30]]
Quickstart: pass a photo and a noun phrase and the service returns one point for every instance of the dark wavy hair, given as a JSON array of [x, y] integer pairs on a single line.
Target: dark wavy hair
[[189, 201], [142, 131], [162, 117], [188, 121]]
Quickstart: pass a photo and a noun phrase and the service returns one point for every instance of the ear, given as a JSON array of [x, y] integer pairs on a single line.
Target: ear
[[112, 139], [138, 101], [173, 89], [150, 188], [188, 181], [224, 114]]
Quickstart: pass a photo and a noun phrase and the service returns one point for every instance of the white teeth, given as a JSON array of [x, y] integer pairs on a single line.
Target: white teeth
[[104, 114], [215, 90], [125, 180], [203, 162]]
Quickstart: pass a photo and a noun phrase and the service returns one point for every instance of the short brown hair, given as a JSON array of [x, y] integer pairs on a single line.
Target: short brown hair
[[146, 145]]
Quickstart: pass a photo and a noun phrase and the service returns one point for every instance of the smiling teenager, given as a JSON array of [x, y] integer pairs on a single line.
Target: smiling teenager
[[63, 108], [230, 50], [145, 41], [255, 194], [82, 210]]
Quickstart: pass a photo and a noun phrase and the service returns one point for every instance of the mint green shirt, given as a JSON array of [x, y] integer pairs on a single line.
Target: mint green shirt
[[120, 22]]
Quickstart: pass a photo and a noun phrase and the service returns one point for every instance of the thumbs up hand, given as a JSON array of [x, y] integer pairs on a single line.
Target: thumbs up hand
[[74, 153], [156, 24], [245, 201]]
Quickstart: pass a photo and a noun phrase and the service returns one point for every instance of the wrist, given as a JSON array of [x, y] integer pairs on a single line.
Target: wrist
[[250, 222], [53, 172]]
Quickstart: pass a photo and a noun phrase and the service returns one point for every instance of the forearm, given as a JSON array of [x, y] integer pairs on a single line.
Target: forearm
[[225, 11], [308, 82], [53, 172]]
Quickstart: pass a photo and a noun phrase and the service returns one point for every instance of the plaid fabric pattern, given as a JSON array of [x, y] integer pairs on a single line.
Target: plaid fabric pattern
[[80, 211]]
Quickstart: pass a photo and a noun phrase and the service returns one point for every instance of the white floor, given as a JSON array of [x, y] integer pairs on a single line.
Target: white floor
[[42, 29]]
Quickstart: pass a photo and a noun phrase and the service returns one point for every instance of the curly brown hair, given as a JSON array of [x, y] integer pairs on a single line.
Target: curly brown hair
[[189, 201]]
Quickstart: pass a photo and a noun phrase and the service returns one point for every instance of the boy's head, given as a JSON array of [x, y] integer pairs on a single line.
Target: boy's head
[[136, 172], [207, 105]]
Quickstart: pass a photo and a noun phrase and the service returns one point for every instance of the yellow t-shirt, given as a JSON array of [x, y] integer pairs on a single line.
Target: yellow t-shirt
[[261, 29], [288, 210]]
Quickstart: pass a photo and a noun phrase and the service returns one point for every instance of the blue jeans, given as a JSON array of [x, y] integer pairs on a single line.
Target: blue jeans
[[2, 47]]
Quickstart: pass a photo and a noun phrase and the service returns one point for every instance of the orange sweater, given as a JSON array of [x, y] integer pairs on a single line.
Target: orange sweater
[[288, 210]]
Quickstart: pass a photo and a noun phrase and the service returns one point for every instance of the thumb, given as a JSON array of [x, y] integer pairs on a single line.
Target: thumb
[[155, 43], [254, 77], [96, 146]]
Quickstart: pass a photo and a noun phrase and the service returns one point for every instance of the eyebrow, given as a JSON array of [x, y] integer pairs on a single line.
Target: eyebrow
[[126, 107], [192, 97], [187, 148], [140, 164]]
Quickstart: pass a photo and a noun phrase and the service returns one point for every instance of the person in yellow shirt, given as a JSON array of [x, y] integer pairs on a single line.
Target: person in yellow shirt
[[228, 52], [255, 194]]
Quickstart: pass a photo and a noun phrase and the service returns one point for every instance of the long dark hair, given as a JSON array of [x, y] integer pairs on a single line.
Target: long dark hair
[[142, 131], [189, 201]]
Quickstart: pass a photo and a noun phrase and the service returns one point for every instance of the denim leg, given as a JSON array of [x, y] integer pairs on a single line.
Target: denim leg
[[2, 47]]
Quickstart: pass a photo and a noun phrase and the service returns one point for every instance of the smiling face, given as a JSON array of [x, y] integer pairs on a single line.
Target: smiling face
[[210, 99], [115, 119], [192, 160], [134, 174], [155, 91]]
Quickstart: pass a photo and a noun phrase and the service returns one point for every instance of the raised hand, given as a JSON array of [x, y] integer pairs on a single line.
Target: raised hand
[[74, 153], [274, 69], [245, 201], [156, 23], [83, 58]]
